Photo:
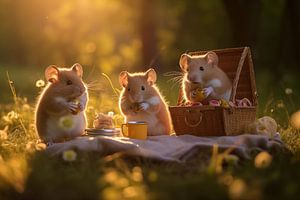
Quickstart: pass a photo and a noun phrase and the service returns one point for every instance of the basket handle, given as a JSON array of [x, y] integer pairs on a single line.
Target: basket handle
[[238, 72], [188, 112]]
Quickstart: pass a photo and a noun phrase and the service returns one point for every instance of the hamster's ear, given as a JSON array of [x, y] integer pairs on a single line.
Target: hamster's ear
[[51, 73], [151, 76], [212, 58], [184, 61], [123, 78], [78, 69]]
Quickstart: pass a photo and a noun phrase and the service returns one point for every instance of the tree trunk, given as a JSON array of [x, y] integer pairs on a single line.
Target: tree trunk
[[244, 17], [147, 26]]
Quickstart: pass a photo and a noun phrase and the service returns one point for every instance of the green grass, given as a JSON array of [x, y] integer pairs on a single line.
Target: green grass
[[26, 172]]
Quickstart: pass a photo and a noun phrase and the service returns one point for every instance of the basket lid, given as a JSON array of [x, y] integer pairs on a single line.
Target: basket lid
[[237, 64]]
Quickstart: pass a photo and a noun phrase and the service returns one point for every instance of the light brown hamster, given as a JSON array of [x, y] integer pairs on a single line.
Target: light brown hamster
[[140, 100], [60, 111], [203, 71]]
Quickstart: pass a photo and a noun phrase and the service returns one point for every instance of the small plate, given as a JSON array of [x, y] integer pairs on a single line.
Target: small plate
[[105, 132]]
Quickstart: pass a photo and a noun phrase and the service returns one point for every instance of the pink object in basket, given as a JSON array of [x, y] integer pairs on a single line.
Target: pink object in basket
[[243, 102], [214, 102]]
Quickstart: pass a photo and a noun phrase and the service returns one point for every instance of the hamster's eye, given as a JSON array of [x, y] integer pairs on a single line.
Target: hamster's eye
[[201, 68], [128, 89], [187, 69], [143, 88], [69, 82]]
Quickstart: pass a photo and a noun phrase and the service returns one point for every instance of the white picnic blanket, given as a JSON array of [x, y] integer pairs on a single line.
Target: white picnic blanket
[[169, 148]]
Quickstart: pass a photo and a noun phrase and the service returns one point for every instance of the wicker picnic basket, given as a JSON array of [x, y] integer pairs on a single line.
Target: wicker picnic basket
[[219, 121]]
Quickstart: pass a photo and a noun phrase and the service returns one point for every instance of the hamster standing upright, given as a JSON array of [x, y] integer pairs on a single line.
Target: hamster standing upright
[[60, 111], [140, 100], [203, 71]]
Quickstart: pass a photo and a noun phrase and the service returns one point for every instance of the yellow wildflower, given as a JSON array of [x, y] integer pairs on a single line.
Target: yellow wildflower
[[69, 155]]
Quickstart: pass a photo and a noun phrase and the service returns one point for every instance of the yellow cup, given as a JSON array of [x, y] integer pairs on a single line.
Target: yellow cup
[[135, 130]]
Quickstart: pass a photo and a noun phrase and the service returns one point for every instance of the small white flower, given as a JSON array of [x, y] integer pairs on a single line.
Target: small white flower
[[66, 122], [110, 114], [40, 83], [288, 91], [69, 155]]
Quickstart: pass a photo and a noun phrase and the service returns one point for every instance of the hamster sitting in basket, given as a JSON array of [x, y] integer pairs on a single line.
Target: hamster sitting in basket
[[202, 71], [140, 100]]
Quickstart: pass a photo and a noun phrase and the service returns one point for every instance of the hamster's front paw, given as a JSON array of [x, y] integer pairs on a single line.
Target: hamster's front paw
[[144, 106], [207, 91], [80, 107], [73, 107]]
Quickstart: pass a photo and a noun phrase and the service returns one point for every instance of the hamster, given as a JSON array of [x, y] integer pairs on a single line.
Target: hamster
[[203, 71], [60, 111], [140, 100]]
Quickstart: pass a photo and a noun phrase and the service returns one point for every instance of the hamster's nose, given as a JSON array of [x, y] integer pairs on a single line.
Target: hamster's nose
[[82, 90], [191, 78]]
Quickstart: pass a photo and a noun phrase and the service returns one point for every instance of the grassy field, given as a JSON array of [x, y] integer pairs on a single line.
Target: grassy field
[[26, 172]]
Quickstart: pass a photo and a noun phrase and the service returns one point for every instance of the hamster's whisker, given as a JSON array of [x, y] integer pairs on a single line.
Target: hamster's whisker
[[176, 79], [173, 73]]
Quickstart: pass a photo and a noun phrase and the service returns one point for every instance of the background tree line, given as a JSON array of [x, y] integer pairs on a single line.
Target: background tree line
[[111, 35]]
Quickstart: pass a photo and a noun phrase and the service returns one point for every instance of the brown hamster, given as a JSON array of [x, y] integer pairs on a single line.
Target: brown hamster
[[140, 100], [60, 111], [203, 71]]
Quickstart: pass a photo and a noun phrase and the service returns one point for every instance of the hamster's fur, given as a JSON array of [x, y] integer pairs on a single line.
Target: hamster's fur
[[203, 71], [60, 111], [139, 89]]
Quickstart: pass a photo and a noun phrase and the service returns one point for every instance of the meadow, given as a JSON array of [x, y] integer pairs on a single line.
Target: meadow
[[27, 172]]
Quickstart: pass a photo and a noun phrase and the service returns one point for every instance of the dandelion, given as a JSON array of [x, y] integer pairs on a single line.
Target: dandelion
[[295, 120], [288, 91], [40, 83], [263, 160], [69, 155], [66, 122]]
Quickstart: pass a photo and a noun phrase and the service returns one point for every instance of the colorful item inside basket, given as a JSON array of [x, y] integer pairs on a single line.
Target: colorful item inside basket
[[104, 121], [198, 95], [224, 103]]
